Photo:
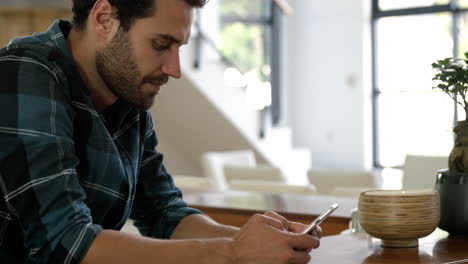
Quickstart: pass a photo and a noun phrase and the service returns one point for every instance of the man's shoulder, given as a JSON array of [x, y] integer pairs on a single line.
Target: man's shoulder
[[41, 48], [27, 67], [28, 49]]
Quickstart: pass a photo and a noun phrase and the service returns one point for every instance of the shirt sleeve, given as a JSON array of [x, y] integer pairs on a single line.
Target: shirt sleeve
[[39, 184], [158, 206]]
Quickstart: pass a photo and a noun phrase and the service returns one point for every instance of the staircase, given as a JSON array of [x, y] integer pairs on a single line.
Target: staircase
[[199, 113]]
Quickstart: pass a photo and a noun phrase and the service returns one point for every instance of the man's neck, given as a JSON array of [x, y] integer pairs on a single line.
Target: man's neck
[[83, 51]]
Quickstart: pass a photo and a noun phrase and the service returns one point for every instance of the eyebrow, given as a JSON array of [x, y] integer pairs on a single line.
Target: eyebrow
[[170, 38]]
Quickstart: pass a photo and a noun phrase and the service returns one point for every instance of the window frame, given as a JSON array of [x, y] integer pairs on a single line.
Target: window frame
[[451, 8], [270, 23]]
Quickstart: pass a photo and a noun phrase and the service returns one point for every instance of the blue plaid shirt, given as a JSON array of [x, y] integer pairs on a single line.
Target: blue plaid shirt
[[68, 171]]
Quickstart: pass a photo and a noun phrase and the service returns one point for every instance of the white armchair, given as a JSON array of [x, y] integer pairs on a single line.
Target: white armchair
[[342, 183], [213, 164], [419, 171], [193, 182], [270, 187], [258, 173], [238, 170]]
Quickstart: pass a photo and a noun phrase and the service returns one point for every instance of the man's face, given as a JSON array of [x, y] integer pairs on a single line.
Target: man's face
[[137, 63]]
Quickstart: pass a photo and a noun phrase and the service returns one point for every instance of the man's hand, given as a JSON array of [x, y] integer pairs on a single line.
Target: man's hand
[[294, 227], [271, 238]]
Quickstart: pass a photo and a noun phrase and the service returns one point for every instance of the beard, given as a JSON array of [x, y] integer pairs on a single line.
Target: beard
[[117, 67]]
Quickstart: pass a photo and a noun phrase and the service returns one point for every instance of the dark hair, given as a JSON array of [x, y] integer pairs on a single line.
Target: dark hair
[[127, 10]]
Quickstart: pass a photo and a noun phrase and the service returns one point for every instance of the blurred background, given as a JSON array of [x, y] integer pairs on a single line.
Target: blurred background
[[294, 88]]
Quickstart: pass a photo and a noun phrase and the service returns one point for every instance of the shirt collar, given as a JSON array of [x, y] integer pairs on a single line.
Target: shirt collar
[[57, 36]]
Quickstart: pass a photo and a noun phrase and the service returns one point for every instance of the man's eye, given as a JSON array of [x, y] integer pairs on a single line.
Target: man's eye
[[160, 47]]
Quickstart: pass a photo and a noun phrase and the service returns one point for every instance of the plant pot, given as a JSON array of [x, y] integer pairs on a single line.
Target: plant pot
[[458, 158], [453, 192]]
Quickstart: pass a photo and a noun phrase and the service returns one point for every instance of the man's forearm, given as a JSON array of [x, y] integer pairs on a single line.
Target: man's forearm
[[247, 246], [201, 226], [118, 247]]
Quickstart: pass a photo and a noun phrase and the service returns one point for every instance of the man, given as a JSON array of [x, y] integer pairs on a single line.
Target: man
[[77, 148]]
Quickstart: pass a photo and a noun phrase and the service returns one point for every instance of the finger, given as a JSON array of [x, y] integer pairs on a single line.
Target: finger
[[296, 227], [317, 232], [275, 223], [280, 218], [299, 257], [304, 241], [299, 227]]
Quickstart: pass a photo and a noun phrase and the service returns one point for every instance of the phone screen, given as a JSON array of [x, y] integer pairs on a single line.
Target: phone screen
[[320, 219]]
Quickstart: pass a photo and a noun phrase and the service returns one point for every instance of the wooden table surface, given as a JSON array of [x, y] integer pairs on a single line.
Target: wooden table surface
[[359, 248], [235, 207]]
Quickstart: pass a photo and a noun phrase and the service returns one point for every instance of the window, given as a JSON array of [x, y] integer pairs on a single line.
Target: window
[[404, 4], [245, 34], [410, 116], [249, 39]]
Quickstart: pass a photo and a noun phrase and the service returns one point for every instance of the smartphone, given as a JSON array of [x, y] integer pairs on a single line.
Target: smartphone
[[320, 219]]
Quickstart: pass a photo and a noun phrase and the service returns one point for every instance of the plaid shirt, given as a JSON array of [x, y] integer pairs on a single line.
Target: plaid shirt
[[68, 171]]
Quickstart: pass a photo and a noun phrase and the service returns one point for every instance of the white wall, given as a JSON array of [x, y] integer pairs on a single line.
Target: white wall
[[176, 160], [328, 81]]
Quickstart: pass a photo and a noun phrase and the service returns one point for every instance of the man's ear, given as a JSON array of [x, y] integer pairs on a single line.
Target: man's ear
[[102, 19]]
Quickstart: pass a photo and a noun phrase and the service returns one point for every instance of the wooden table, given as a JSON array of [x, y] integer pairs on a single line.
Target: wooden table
[[235, 207], [359, 248]]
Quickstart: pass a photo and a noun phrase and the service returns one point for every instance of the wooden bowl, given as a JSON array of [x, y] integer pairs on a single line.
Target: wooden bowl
[[400, 217]]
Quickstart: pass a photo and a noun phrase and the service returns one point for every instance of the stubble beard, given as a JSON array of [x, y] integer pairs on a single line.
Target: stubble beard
[[118, 69]]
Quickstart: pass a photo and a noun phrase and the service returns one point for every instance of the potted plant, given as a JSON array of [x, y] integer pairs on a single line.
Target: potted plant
[[452, 184]]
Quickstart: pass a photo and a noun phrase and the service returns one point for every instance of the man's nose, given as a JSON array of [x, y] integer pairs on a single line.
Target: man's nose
[[171, 66]]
